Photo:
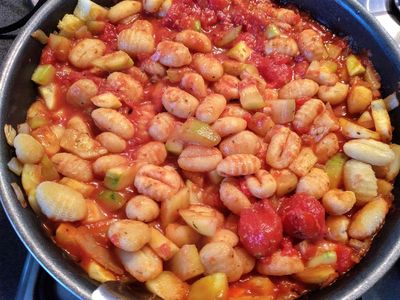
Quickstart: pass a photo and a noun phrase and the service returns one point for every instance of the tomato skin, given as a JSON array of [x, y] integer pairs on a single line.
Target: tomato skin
[[303, 217], [218, 4], [344, 260], [260, 229]]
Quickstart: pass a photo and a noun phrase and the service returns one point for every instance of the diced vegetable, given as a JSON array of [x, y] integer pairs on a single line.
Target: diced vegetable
[[19, 194], [69, 25], [85, 189], [326, 258], [328, 66], [214, 286], [249, 69], [40, 36], [322, 274], [394, 167], [99, 273], [170, 207], [31, 177], [33, 202], [391, 102], [66, 238], [168, 286], [96, 27], [111, 200], [333, 50], [15, 166], [44, 74], [251, 98], [334, 168], [87, 10], [49, 94], [240, 52], [48, 171], [354, 66], [197, 25], [381, 120], [272, 31], [204, 219], [283, 110], [174, 146], [365, 120], [186, 263], [359, 99], [372, 78], [161, 245], [119, 178], [199, 133], [61, 46], [229, 36], [355, 131], [113, 62]]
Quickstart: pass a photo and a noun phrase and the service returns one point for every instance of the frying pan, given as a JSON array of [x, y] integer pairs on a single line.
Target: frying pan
[[346, 17]]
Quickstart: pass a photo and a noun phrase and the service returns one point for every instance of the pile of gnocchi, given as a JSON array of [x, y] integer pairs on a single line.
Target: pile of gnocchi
[[210, 149]]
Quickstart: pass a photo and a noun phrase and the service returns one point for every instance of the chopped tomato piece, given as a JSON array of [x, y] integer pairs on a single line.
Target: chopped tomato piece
[[303, 217], [260, 229]]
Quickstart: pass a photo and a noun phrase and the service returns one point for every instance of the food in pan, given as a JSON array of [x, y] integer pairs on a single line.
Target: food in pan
[[209, 149]]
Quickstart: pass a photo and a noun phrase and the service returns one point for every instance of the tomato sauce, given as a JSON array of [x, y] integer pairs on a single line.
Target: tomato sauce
[[293, 225]]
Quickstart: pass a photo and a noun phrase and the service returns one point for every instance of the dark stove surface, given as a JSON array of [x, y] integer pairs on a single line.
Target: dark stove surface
[[36, 284]]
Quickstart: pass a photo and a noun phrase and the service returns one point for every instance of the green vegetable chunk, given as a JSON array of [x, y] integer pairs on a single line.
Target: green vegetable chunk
[[111, 200], [44, 74], [199, 133], [334, 169]]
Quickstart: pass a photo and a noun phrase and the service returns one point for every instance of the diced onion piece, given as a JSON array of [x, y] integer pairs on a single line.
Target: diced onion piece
[[322, 274], [40, 36], [365, 120], [20, 195], [229, 36], [99, 273], [10, 134], [326, 258], [60, 45], [44, 74], [354, 65], [391, 102], [283, 110], [96, 27], [168, 286], [272, 31], [87, 10], [15, 166]]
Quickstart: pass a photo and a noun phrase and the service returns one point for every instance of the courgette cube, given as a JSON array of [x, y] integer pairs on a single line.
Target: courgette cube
[[111, 200], [354, 66], [214, 286], [49, 94], [240, 52], [199, 133], [334, 168], [326, 258], [69, 25], [272, 31], [119, 178], [250, 98], [44, 74]]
